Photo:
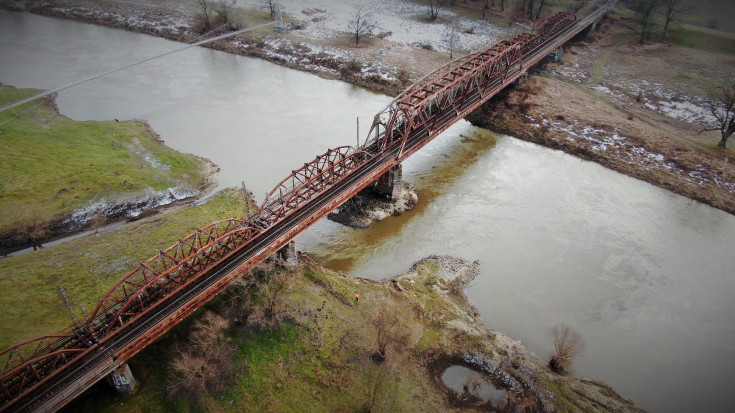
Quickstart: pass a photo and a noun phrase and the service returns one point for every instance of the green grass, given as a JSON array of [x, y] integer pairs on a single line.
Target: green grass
[[90, 266], [702, 38], [51, 165]]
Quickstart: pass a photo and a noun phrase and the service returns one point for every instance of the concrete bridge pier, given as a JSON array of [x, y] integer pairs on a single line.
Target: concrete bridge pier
[[389, 184], [287, 255], [122, 379], [556, 55]]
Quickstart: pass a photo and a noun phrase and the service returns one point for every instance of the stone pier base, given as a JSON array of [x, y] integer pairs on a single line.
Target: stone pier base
[[287, 255], [122, 379], [390, 183]]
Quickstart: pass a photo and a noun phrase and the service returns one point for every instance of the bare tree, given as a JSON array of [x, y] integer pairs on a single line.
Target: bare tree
[[434, 6], [272, 288], [567, 345], [387, 329], [224, 9], [450, 38], [362, 24], [270, 5], [672, 9], [379, 385], [722, 108], [206, 9], [644, 10], [530, 9], [205, 365], [240, 298], [540, 6]]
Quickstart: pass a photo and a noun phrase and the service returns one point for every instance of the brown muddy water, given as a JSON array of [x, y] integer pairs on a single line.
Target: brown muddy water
[[646, 276]]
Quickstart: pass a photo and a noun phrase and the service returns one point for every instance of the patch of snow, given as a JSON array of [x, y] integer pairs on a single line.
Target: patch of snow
[[407, 22]]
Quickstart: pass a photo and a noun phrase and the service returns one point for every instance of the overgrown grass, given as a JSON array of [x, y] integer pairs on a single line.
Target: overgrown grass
[[90, 266], [702, 38], [51, 165]]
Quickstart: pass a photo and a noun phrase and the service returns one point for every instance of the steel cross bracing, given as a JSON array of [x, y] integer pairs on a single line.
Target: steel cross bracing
[[47, 372]]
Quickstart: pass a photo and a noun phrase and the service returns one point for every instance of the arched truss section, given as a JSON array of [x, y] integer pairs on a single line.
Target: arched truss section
[[450, 89], [306, 182], [29, 362], [547, 30], [155, 279]]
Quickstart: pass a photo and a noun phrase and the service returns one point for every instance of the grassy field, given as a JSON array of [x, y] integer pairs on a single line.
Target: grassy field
[[89, 266], [317, 353], [314, 356], [702, 38], [51, 165]]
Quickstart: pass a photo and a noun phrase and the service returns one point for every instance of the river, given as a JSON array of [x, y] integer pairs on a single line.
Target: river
[[646, 276]]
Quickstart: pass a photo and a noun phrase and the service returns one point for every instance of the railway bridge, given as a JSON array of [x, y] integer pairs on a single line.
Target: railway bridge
[[45, 373]]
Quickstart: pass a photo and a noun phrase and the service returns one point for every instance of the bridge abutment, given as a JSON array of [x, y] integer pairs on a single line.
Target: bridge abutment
[[389, 184], [287, 255], [122, 379]]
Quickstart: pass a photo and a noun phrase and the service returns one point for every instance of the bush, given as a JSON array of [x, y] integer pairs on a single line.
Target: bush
[[568, 344]]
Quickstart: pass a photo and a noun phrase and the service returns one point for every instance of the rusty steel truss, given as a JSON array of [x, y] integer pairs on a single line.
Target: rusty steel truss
[[163, 290]]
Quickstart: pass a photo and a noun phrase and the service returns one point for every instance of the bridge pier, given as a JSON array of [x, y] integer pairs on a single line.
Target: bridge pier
[[556, 55], [389, 184], [287, 255], [122, 379]]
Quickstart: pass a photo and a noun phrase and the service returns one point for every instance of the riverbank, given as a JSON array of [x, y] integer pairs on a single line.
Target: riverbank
[[62, 176], [313, 344], [628, 107], [635, 109], [89, 266]]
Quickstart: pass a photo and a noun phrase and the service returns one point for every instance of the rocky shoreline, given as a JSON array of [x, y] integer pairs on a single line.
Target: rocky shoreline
[[368, 206], [505, 363]]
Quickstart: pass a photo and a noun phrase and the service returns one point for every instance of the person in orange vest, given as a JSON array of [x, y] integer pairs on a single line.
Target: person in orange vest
[[357, 297]]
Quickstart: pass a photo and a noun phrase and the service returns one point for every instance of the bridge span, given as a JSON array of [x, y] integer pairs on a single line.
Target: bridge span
[[45, 373]]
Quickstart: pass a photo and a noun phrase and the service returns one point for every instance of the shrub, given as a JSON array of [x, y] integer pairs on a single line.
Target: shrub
[[567, 345]]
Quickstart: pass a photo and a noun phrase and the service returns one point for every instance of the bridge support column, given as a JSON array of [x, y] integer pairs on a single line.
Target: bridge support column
[[288, 255], [122, 379], [556, 55], [389, 184]]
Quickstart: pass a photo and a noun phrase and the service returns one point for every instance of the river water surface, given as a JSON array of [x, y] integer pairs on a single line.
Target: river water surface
[[646, 276]]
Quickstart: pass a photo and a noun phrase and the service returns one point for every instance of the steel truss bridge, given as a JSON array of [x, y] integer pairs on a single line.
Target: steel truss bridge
[[45, 373]]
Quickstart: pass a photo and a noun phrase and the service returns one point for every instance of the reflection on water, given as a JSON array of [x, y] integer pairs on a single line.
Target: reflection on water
[[644, 275], [464, 380], [255, 120]]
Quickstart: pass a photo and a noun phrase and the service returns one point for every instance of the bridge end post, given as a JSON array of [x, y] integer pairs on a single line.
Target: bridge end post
[[389, 184], [288, 256], [122, 379]]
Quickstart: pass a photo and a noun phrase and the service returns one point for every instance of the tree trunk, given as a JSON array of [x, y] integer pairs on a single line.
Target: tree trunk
[[541, 6], [723, 141], [666, 28], [530, 10]]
